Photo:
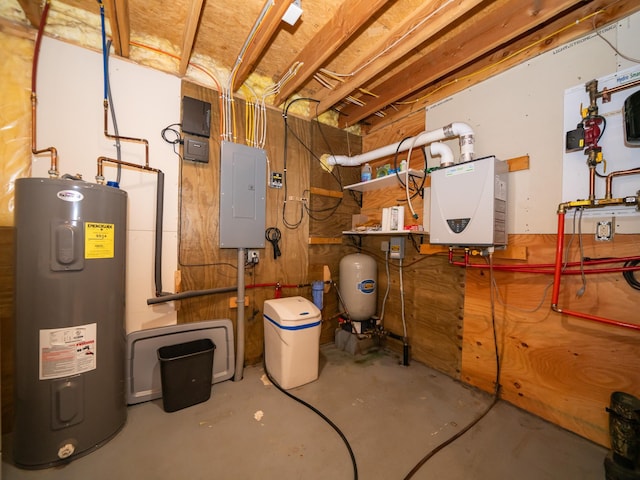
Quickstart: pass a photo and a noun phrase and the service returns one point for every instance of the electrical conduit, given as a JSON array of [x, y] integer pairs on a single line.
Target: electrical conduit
[[240, 320]]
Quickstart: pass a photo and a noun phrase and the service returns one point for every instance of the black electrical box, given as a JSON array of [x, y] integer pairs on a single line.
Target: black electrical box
[[632, 119], [196, 117], [196, 150], [575, 139]]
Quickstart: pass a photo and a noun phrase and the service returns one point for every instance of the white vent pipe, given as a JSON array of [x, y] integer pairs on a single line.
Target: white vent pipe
[[442, 150], [453, 130]]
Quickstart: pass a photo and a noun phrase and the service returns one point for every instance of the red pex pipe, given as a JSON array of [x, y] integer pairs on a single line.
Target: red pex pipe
[[533, 266], [515, 268], [556, 286], [587, 271]]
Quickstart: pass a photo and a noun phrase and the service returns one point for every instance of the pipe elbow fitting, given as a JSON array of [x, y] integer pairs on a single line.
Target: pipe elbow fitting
[[443, 151]]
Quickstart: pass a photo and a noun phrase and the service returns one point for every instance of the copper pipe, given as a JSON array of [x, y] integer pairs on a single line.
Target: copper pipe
[[101, 160], [606, 92], [128, 139], [621, 173], [592, 182], [53, 169]]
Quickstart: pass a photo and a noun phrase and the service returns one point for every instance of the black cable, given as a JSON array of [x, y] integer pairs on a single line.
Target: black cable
[[273, 235], [496, 394], [321, 415], [629, 275], [305, 205]]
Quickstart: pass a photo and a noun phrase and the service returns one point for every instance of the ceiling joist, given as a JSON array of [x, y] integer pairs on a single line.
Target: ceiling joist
[[437, 14], [496, 25], [118, 14], [189, 37], [376, 61], [334, 34], [258, 44]]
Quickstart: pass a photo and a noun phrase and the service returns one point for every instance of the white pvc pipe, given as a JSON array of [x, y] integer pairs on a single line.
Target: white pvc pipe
[[453, 130], [442, 150]]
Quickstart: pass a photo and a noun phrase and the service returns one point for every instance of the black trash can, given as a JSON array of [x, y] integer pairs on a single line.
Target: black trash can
[[185, 373]]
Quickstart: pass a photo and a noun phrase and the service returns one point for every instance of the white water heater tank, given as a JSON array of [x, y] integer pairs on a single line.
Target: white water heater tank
[[358, 286]]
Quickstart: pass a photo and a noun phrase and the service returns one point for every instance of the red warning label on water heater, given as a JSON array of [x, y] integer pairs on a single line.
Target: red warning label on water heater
[[67, 351]]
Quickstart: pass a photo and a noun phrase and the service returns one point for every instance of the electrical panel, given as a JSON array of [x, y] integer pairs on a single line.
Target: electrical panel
[[243, 190], [469, 204]]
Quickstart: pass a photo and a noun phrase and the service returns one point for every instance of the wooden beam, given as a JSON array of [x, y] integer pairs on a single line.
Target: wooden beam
[[257, 46], [118, 14], [325, 241], [32, 10], [515, 164], [346, 21], [491, 27], [511, 252], [325, 192], [551, 36], [17, 30], [439, 14], [518, 163], [189, 37]]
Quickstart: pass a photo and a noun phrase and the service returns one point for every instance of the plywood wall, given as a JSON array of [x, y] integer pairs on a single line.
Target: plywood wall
[[203, 265], [560, 368]]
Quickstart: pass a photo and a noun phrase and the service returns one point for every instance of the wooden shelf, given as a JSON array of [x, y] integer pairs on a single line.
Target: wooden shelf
[[384, 182]]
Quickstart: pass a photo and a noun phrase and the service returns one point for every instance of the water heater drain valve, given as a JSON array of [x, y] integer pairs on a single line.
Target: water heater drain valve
[[66, 450]]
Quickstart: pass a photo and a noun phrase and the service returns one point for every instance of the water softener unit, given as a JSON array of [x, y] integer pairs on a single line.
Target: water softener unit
[[70, 334]]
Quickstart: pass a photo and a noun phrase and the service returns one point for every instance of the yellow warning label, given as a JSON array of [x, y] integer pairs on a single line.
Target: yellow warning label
[[98, 240]]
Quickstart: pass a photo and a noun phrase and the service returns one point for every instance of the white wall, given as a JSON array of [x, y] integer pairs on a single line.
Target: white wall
[[70, 93], [521, 111]]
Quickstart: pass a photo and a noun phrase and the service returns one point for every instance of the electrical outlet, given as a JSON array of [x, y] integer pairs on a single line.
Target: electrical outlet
[[604, 231], [396, 247], [253, 256], [384, 246], [276, 180]]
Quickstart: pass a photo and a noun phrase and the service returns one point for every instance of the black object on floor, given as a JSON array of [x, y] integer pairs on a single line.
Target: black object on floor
[[185, 372]]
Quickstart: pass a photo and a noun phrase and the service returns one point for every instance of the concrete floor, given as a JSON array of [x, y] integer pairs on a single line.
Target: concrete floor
[[391, 415]]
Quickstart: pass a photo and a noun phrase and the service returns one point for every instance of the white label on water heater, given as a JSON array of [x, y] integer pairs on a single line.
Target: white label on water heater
[[67, 351], [70, 196], [460, 169]]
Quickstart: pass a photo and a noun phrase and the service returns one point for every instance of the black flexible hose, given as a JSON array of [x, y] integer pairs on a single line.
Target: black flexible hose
[[158, 243], [629, 275], [321, 415], [496, 394]]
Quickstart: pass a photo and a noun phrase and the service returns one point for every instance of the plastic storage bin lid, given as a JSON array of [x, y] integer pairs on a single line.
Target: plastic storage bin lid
[[292, 312]]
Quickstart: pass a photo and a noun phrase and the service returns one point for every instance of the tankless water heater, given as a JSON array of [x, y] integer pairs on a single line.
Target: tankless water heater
[[469, 204]]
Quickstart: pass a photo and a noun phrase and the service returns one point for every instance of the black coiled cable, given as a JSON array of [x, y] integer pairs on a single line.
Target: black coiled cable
[[273, 235], [629, 275]]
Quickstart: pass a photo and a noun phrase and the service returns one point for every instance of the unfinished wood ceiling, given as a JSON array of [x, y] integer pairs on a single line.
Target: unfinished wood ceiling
[[371, 60]]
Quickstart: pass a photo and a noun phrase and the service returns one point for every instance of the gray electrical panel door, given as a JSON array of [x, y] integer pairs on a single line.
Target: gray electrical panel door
[[243, 190]]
